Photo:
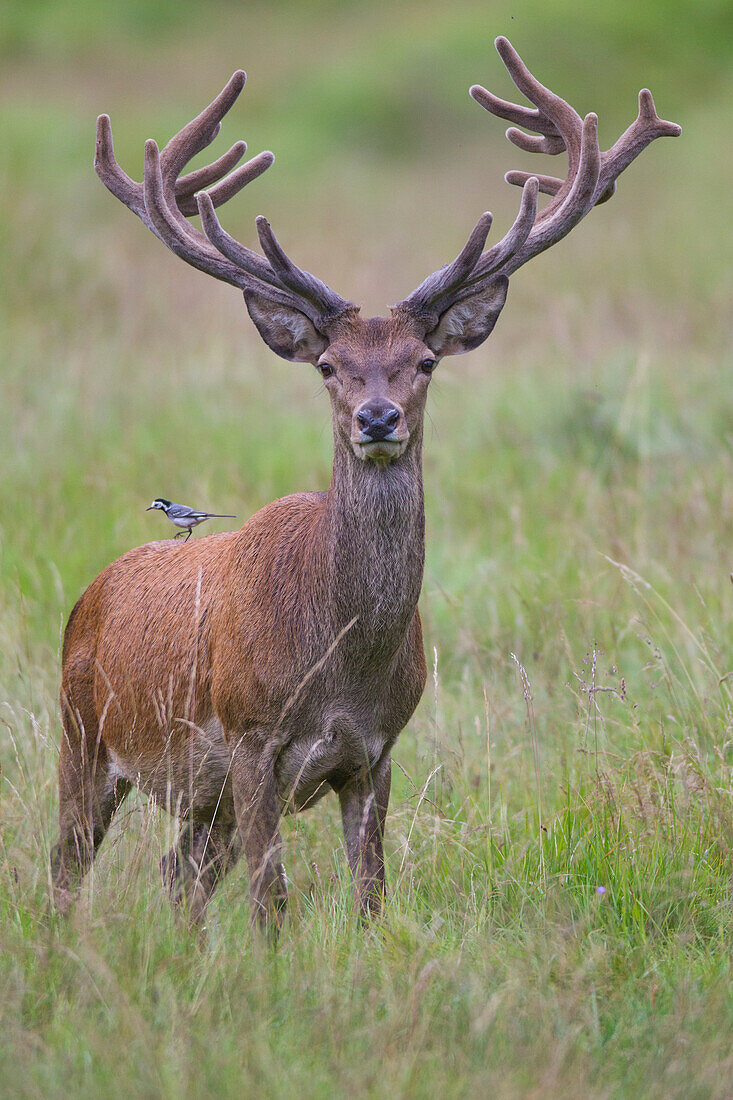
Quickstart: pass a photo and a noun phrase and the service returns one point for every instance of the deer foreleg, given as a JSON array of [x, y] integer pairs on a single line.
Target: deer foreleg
[[364, 804], [257, 806]]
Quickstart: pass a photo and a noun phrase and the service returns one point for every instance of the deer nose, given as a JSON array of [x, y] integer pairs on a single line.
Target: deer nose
[[378, 419]]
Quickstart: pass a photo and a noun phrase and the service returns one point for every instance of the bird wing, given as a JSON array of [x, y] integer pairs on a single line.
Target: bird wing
[[181, 511]]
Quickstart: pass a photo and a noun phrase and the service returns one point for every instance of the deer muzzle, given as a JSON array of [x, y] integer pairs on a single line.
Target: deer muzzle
[[378, 431]]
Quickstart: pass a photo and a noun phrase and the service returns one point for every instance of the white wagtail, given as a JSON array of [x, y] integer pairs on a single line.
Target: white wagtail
[[188, 518]]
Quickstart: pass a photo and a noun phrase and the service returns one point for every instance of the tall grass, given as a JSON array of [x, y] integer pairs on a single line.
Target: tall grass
[[559, 919]]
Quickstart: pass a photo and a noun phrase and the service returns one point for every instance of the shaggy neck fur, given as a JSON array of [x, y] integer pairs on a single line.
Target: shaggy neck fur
[[375, 545]]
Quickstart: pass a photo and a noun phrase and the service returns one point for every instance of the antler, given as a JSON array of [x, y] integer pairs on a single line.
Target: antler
[[591, 179], [164, 198]]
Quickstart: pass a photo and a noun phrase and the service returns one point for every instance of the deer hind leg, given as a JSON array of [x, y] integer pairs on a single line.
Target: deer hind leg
[[193, 868], [89, 794]]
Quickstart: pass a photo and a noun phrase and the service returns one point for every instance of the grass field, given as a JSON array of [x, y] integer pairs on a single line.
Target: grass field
[[559, 920]]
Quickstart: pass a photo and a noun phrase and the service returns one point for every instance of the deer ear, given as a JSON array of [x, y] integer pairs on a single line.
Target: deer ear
[[285, 329], [466, 324]]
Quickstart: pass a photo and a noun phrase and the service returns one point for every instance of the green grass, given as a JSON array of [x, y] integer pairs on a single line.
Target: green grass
[[580, 516]]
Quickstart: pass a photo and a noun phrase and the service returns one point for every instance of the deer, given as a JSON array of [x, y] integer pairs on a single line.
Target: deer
[[245, 675]]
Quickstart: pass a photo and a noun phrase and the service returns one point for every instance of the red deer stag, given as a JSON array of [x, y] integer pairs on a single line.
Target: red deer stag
[[246, 674]]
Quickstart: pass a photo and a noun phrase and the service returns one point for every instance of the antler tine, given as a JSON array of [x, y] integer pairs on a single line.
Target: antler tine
[[200, 131], [308, 294], [257, 269], [550, 106], [548, 185], [492, 260], [204, 177], [536, 143], [429, 295], [295, 278], [471, 268], [643, 130], [529, 117], [110, 173], [226, 188]]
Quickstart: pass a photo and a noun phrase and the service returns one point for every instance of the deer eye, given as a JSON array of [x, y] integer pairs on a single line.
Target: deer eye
[[428, 365], [325, 370]]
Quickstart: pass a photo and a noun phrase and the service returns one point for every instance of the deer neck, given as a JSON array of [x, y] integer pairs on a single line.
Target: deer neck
[[375, 545]]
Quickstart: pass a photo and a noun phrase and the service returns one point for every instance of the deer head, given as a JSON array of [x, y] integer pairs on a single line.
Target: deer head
[[377, 370]]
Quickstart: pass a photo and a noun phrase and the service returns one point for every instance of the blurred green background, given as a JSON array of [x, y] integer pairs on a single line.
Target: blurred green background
[[579, 478]]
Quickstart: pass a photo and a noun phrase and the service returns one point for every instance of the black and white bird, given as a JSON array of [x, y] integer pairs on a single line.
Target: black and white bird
[[182, 516]]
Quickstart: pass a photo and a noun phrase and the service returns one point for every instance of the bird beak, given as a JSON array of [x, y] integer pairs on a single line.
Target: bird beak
[[150, 508]]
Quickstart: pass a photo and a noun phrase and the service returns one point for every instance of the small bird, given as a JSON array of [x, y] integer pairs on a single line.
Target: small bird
[[188, 518]]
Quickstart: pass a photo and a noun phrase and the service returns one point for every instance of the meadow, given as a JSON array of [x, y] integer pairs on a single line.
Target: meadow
[[560, 915]]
